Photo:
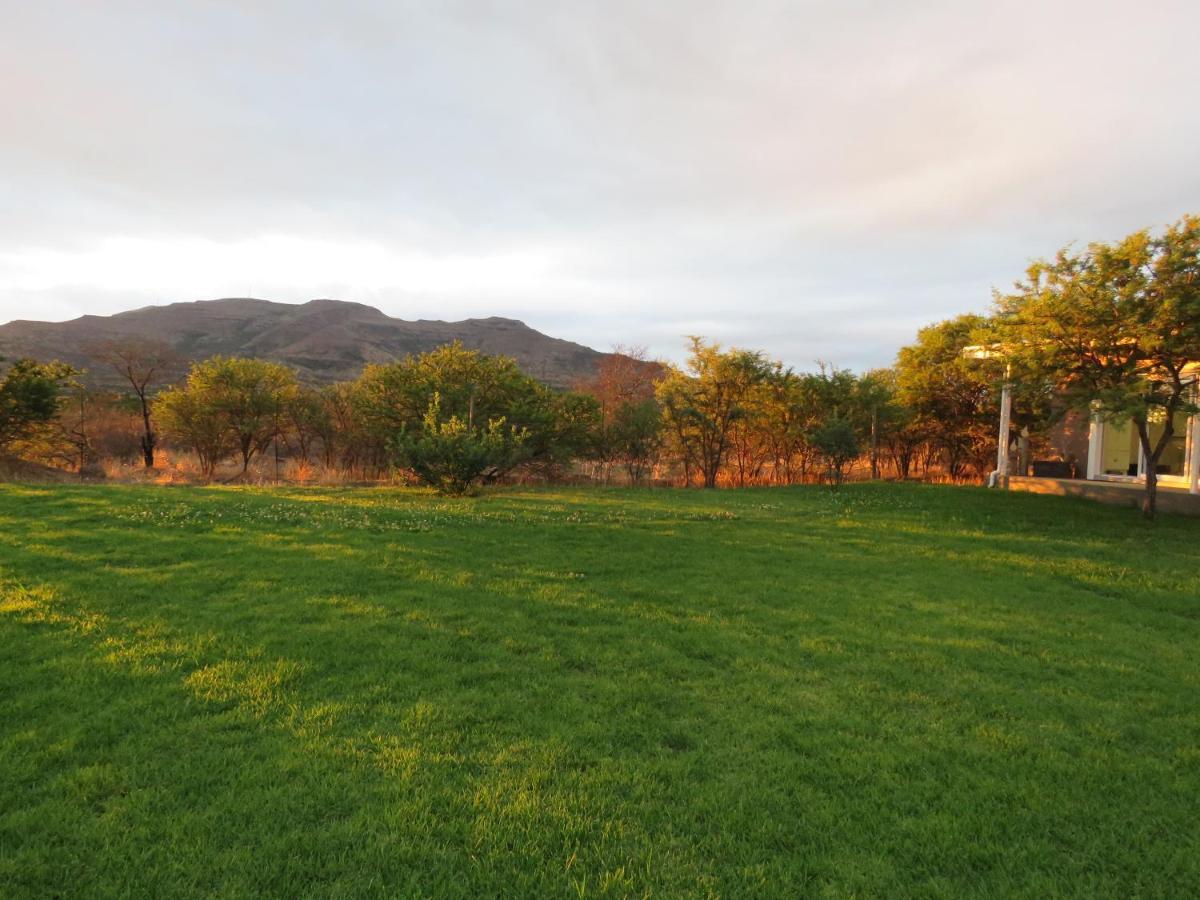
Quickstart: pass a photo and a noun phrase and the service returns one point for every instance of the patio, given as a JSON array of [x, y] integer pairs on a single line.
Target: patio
[[1171, 499]]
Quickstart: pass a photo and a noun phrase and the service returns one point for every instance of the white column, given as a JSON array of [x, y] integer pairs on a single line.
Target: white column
[[1194, 456], [1005, 422], [1095, 446]]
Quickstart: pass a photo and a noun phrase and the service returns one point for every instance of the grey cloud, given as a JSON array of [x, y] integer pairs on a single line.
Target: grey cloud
[[814, 179]]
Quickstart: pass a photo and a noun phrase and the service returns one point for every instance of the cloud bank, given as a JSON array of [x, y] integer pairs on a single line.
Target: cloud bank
[[817, 180]]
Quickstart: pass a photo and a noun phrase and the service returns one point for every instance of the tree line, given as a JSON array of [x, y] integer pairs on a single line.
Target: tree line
[[1112, 329], [456, 418]]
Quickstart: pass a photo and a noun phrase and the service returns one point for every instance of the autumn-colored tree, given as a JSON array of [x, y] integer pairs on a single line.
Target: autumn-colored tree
[[146, 364], [628, 428], [702, 403]]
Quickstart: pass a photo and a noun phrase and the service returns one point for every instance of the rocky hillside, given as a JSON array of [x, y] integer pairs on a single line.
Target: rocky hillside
[[326, 340]]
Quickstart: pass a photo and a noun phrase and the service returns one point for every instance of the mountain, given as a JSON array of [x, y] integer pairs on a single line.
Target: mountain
[[326, 340]]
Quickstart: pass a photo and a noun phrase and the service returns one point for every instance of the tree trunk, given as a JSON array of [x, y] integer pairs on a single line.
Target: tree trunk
[[874, 443], [148, 440], [1150, 498]]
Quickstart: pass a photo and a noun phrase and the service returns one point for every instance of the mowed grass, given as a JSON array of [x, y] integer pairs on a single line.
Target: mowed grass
[[895, 690]]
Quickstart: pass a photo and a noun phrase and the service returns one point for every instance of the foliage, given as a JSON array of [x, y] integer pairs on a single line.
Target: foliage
[[627, 427], [636, 436], [454, 455], [892, 690], [790, 408], [702, 404], [1116, 325], [836, 443], [192, 421], [30, 396], [309, 420], [474, 389], [228, 405], [91, 426], [953, 399]]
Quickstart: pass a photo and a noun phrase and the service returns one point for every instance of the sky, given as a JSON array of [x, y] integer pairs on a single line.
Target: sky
[[813, 179]]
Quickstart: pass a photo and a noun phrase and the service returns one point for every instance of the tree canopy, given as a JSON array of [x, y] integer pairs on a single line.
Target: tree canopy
[[30, 396], [1114, 328], [226, 405]]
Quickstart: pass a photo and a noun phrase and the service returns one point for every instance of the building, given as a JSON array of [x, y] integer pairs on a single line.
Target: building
[[1113, 452]]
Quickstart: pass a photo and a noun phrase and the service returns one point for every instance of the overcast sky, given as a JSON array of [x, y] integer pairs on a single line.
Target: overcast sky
[[814, 179]]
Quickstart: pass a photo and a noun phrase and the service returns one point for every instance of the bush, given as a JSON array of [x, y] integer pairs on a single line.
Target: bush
[[454, 456]]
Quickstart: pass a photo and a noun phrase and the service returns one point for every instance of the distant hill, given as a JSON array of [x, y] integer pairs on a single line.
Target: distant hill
[[326, 340]]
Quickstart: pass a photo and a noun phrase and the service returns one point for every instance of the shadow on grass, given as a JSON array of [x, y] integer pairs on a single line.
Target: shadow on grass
[[808, 694]]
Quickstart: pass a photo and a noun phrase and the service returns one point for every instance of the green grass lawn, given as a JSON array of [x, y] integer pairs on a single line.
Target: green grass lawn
[[891, 691]]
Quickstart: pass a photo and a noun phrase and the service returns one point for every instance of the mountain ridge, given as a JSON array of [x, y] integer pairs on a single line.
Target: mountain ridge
[[324, 339]]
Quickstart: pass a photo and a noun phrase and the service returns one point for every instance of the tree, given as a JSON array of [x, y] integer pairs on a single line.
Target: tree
[[252, 396], [702, 403], [749, 444], [898, 431], [471, 389], [30, 395], [837, 444], [1115, 329], [308, 419], [469, 384], [188, 416], [792, 407], [575, 420], [637, 436], [144, 363], [628, 428], [952, 398], [228, 405], [345, 438]]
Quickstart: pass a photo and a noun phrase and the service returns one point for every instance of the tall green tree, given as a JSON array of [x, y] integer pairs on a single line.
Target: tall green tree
[[836, 442], [1116, 329], [789, 411], [189, 418], [228, 404], [30, 396], [898, 432], [703, 403], [953, 399], [637, 435]]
